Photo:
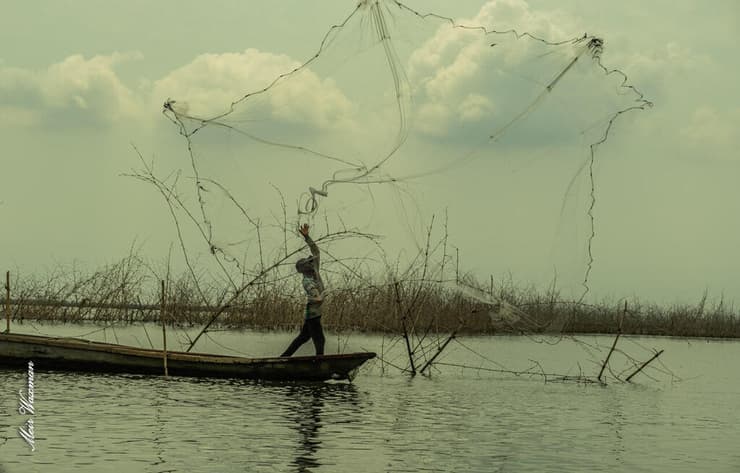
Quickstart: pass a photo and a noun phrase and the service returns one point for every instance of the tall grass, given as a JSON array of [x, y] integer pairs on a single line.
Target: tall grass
[[128, 291]]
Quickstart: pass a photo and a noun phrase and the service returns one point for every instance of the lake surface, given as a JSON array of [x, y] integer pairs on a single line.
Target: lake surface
[[459, 419]]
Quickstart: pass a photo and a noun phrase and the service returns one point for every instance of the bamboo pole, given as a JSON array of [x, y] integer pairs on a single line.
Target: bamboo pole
[[7, 300], [644, 365], [457, 265], [606, 360], [164, 330], [405, 331], [439, 351], [616, 339]]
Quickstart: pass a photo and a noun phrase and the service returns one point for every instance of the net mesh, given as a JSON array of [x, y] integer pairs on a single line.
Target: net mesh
[[391, 97]]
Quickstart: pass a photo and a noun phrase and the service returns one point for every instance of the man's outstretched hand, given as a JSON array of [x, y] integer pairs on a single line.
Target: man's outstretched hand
[[303, 230]]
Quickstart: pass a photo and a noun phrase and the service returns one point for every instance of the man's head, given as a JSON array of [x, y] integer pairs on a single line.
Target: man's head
[[305, 265]]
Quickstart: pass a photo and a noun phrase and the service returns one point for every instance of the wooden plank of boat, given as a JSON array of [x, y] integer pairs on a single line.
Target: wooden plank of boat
[[72, 354]]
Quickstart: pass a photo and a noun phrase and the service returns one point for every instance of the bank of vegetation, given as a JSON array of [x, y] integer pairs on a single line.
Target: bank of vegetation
[[129, 292]]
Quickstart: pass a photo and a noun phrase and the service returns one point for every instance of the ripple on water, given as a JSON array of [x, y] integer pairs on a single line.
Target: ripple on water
[[455, 421]]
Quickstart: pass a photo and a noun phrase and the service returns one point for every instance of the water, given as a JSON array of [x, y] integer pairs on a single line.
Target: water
[[457, 420]]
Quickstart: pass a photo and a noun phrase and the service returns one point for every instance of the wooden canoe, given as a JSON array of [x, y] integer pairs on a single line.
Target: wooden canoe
[[73, 354]]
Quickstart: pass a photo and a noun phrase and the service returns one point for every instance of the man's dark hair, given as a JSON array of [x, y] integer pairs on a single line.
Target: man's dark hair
[[304, 265]]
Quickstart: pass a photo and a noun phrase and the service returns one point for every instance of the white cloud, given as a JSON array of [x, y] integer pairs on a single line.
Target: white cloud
[[81, 91], [474, 107], [495, 15], [460, 68], [458, 75], [661, 69], [503, 15], [73, 91], [211, 82]]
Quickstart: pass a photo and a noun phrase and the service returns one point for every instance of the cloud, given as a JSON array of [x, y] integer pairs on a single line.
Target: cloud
[[75, 91], [474, 107], [88, 92], [432, 119], [691, 110], [469, 84], [658, 69], [211, 82], [452, 64], [712, 133]]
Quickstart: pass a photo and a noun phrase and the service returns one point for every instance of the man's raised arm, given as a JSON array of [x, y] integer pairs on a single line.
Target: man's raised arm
[[311, 244]]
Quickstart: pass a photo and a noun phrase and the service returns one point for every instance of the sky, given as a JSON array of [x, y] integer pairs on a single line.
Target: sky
[[81, 81]]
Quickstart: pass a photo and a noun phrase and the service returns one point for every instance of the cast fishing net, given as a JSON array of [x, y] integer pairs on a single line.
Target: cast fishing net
[[392, 100]]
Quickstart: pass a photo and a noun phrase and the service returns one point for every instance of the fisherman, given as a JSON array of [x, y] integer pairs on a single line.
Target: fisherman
[[314, 287]]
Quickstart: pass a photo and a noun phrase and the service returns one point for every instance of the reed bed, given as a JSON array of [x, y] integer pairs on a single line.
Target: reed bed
[[128, 292]]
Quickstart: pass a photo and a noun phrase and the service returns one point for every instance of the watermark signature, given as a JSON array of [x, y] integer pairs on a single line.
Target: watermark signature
[[25, 407]]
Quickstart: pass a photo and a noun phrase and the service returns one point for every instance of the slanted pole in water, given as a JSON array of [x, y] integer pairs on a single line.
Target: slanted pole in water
[[164, 331], [644, 365], [616, 339], [405, 330], [7, 300], [439, 351]]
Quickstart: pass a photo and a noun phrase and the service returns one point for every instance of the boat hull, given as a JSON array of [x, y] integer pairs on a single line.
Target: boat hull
[[70, 354]]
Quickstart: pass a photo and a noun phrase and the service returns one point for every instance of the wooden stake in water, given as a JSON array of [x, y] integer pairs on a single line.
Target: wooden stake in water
[[405, 331], [457, 265], [7, 300], [439, 352], [614, 345], [164, 331], [657, 354]]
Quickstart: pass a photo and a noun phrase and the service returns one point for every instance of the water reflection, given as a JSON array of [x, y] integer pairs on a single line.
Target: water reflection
[[307, 417], [307, 421], [159, 434], [614, 413], [451, 422], [286, 424]]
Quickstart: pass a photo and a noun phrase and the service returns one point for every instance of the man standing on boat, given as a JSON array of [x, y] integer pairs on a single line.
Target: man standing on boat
[[314, 287]]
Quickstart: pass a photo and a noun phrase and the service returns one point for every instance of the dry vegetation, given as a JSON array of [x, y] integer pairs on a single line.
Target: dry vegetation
[[129, 291], [427, 295]]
